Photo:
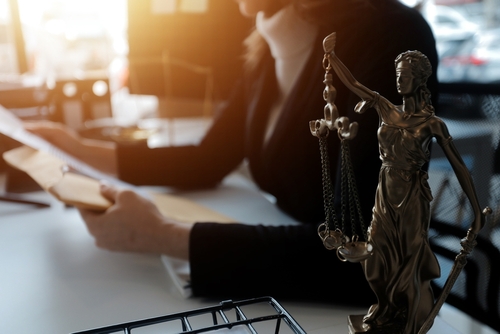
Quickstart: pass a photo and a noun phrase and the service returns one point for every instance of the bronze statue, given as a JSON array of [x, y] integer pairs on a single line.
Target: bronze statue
[[398, 262]]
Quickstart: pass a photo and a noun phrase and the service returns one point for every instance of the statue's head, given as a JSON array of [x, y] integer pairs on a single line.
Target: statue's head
[[421, 70], [420, 65]]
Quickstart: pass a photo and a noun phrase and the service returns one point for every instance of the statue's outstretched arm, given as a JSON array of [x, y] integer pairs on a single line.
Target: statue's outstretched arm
[[343, 72]]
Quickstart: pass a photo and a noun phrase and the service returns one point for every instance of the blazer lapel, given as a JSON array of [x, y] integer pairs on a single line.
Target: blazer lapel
[[262, 95]]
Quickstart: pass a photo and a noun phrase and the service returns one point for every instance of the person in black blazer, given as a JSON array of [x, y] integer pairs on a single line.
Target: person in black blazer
[[266, 124]]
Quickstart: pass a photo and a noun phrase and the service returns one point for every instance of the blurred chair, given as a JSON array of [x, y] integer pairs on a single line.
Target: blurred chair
[[477, 290], [78, 100], [188, 89]]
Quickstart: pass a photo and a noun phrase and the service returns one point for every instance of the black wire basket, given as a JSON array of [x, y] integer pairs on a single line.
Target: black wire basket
[[257, 315]]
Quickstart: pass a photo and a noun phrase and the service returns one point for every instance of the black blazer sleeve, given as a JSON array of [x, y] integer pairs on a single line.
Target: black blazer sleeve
[[242, 261], [204, 165], [290, 261]]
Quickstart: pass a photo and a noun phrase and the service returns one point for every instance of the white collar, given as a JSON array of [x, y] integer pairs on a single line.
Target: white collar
[[286, 33]]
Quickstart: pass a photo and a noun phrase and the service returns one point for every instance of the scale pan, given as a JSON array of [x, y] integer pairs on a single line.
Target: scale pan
[[355, 251]]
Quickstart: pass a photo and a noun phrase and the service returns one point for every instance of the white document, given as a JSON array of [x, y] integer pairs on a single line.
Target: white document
[[181, 209], [12, 127]]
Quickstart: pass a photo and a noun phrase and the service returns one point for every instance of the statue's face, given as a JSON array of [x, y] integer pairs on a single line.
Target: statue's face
[[405, 80]]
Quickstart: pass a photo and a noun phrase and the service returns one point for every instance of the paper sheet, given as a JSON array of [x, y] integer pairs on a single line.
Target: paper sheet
[[49, 172], [12, 127], [83, 191], [46, 164], [187, 211]]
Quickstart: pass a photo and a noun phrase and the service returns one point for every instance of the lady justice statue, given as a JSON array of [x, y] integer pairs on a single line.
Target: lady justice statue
[[399, 263]]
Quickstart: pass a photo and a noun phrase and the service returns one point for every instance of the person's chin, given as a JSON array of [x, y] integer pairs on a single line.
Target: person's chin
[[245, 12]]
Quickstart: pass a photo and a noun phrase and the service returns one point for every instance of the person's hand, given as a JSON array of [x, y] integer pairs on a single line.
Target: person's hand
[[57, 134], [134, 224], [97, 153]]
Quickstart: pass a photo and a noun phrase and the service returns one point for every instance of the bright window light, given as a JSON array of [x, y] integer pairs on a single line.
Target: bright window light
[[183, 6], [194, 6]]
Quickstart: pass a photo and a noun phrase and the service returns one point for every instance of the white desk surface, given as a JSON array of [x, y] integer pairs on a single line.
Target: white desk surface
[[53, 278]]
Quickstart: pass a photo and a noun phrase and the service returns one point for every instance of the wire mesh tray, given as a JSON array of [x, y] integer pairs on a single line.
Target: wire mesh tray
[[257, 315]]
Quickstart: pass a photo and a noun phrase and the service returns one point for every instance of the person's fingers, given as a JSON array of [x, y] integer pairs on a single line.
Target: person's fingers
[[39, 125], [108, 191], [50, 130], [92, 221], [36, 127], [88, 214]]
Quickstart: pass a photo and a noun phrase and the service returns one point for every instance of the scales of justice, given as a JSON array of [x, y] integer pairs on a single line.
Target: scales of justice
[[393, 250]]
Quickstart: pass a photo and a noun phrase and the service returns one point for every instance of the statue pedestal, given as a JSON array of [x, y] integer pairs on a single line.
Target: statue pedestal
[[357, 326]]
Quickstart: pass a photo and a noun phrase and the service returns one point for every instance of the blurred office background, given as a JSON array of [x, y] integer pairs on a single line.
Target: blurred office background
[[137, 45], [468, 38], [149, 58], [108, 64], [63, 37]]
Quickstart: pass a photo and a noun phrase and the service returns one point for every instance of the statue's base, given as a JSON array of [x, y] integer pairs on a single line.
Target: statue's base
[[357, 326]]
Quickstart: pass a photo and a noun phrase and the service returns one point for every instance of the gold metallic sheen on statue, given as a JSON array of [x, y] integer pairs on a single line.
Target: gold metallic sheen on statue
[[395, 253]]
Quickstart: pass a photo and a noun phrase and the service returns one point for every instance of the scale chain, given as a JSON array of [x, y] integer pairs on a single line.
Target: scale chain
[[353, 191], [328, 197]]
